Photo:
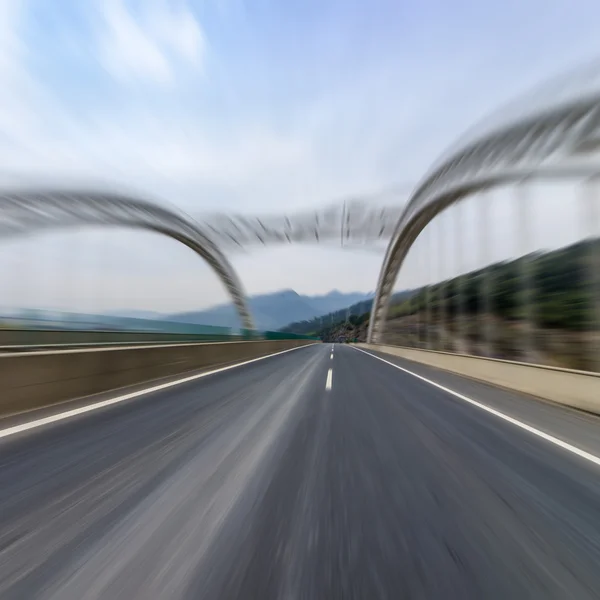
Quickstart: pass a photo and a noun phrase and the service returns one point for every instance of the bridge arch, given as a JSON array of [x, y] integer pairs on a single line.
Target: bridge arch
[[356, 223], [28, 211], [557, 142]]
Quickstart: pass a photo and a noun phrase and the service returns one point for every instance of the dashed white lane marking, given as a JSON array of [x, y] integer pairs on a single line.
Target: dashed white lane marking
[[329, 382], [541, 434], [91, 407], [331, 356]]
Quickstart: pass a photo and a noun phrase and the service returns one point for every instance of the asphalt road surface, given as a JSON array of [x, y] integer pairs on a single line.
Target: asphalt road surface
[[277, 479]]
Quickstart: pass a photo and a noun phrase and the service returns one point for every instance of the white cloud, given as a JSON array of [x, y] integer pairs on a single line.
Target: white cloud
[[149, 43]]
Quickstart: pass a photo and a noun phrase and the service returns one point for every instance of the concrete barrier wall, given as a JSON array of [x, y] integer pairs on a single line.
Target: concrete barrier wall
[[37, 379], [578, 389]]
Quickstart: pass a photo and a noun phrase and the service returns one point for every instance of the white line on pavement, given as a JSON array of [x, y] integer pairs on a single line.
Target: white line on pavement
[[331, 356], [329, 382], [545, 436], [97, 405]]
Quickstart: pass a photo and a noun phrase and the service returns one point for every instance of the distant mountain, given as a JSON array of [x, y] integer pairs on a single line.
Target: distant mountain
[[273, 311], [326, 321], [135, 314], [335, 300]]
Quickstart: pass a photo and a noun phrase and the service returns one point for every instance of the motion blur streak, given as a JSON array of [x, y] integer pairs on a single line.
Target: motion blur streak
[[259, 483]]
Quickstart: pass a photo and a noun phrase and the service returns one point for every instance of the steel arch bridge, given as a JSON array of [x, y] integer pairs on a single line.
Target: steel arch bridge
[[355, 223], [558, 140]]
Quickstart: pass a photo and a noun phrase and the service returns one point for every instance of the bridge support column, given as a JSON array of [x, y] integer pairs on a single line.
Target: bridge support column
[[441, 287], [527, 276], [460, 320], [485, 304], [591, 233], [428, 256]]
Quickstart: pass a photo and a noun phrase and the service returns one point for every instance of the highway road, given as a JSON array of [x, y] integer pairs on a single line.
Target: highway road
[[306, 475]]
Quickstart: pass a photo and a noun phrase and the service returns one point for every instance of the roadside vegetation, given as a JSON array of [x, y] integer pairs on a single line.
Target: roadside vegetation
[[485, 312]]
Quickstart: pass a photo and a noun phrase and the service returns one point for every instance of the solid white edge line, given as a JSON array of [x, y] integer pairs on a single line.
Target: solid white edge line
[[329, 382], [122, 398], [545, 436]]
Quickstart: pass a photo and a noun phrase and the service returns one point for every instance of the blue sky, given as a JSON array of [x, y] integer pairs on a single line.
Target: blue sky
[[244, 105]]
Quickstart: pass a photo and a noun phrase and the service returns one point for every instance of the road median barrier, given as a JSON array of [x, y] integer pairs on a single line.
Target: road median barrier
[[37, 379]]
